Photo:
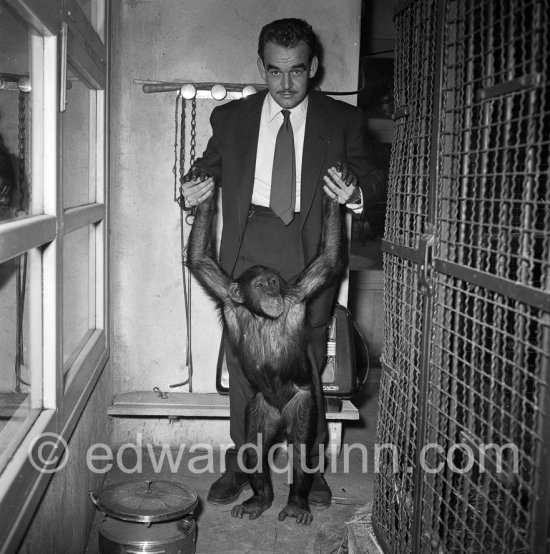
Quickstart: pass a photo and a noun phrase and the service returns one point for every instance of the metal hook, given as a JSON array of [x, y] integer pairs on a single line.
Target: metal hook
[[163, 395]]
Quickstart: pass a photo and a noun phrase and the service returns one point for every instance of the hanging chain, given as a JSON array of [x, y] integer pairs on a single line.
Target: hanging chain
[[182, 154], [192, 145], [21, 271], [175, 166], [193, 141], [182, 142], [21, 150], [28, 122]]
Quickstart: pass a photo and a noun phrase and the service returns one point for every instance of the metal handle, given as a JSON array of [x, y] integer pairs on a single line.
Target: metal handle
[[63, 69], [93, 498], [425, 264], [95, 502], [400, 113], [161, 87], [141, 551]]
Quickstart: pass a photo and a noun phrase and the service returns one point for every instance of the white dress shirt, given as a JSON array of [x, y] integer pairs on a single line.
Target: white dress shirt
[[270, 123]]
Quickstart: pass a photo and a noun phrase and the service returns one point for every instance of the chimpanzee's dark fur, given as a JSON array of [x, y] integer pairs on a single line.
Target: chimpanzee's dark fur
[[266, 322]]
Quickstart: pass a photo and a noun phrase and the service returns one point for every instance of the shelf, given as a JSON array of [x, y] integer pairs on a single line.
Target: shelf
[[197, 405]]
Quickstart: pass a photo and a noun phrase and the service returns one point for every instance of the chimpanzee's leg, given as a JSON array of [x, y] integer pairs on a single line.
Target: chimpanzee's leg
[[299, 423], [262, 425]]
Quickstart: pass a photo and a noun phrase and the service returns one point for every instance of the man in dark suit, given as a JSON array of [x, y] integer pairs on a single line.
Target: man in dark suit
[[241, 156]]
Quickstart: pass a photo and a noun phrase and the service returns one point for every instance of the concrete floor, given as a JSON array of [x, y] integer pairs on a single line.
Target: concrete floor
[[352, 489]]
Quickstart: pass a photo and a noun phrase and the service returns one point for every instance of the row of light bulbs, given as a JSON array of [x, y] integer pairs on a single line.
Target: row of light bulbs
[[218, 92]]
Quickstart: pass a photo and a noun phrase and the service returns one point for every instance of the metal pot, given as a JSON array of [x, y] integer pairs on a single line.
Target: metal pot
[[122, 537], [155, 517]]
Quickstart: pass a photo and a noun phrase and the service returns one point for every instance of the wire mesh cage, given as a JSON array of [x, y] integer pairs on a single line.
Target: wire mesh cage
[[414, 72], [464, 396]]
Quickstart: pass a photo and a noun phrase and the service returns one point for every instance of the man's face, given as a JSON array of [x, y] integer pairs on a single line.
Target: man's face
[[287, 72]]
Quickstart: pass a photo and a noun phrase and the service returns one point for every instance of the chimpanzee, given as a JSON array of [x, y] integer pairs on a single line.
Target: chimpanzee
[[265, 318]]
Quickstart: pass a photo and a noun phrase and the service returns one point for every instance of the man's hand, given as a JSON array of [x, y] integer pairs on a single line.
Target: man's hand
[[197, 187], [341, 184]]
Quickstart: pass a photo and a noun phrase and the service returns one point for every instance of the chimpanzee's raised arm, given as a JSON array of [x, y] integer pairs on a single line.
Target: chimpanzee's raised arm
[[331, 258], [202, 265]]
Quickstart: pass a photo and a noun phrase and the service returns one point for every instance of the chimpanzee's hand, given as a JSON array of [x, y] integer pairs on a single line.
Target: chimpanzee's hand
[[197, 186], [341, 184]]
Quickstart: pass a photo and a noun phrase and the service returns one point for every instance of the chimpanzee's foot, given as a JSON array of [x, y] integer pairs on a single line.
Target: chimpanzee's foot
[[254, 506], [301, 513]]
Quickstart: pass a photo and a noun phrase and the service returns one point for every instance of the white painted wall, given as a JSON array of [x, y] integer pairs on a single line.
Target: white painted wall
[[195, 40]]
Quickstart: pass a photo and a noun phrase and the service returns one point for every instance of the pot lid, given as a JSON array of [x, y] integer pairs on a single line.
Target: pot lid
[[146, 501]]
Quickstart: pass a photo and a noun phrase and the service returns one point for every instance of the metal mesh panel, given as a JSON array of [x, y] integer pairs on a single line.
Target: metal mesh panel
[[398, 404], [405, 221], [467, 371], [487, 380], [488, 365], [409, 166], [494, 212]]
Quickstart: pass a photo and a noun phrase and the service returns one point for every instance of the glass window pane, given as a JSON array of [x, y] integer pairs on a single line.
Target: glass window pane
[[85, 5], [19, 401], [78, 291], [76, 158], [15, 123], [91, 8]]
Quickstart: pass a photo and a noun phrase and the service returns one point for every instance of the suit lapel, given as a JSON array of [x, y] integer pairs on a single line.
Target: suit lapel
[[316, 140], [246, 140]]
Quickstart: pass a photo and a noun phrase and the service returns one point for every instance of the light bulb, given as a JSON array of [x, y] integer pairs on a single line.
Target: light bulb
[[248, 90], [218, 92], [188, 91], [24, 84]]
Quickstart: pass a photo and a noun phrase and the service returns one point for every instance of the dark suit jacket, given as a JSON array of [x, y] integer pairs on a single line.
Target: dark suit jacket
[[334, 132]]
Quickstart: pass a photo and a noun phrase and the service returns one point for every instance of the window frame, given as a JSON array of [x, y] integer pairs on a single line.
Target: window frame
[[64, 391]]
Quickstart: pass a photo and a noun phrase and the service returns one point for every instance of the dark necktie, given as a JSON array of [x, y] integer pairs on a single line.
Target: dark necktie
[[283, 179]]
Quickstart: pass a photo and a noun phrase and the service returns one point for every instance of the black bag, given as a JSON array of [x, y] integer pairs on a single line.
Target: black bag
[[339, 376]]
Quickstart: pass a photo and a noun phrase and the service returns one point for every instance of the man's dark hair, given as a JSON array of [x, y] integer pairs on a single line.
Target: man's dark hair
[[288, 33]]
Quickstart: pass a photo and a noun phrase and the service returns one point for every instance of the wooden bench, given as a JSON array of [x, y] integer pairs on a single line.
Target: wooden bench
[[211, 405]]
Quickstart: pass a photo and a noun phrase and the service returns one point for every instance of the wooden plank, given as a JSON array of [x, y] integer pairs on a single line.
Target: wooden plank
[[176, 404], [19, 235], [182, 404], [75, 218]]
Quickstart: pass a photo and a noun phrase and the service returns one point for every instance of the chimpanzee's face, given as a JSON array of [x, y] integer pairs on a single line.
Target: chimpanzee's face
[[261, 290], [265, 295]]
